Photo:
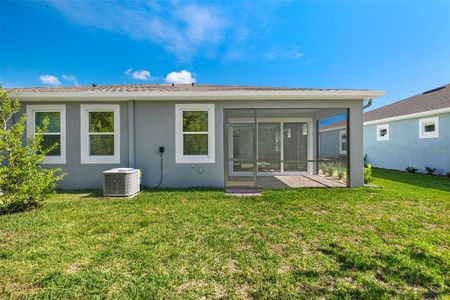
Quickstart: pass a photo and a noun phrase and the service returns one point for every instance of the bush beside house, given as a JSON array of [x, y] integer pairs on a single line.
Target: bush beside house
[[368, 174], [23, 182]]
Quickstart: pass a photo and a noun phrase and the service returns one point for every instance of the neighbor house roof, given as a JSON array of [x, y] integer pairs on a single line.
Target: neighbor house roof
[[332, 126], [434, 101], [188, 91]]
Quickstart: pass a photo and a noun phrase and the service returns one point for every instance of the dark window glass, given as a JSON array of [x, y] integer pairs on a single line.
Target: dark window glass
[[101, 145], [430, 128], [50, 141], [344, 142], [54, 121], [195, 121], [102, 121], [195, 144]]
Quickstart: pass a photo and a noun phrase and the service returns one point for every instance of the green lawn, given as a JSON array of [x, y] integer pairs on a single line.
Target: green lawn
[[386, 242]]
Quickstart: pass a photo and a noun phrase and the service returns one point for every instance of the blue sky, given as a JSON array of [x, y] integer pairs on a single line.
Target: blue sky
[[401, 47]]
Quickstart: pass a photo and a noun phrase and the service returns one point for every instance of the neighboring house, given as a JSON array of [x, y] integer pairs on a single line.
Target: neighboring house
[[216, 136], [413, 132], [333, 140]]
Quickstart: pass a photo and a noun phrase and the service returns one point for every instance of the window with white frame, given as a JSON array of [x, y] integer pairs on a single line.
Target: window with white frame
[[54, 135], [343, 142], [100, 133], [383, 132], [429, 128], [194, 133]]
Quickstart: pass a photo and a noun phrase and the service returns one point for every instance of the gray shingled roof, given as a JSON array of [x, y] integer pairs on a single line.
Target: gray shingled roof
[[430, 100], [335, 125], [164, 88]]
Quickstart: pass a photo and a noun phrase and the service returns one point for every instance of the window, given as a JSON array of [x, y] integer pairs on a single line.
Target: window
[[343, 142], [383, 132], [100, 139], [54, 135], [429, 128], [194, 133]]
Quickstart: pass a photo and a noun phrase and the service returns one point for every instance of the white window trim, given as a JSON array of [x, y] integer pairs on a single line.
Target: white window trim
[[341, 133], [180, 158], [428, 135], [84, 119], [381, 127], [61, 108]]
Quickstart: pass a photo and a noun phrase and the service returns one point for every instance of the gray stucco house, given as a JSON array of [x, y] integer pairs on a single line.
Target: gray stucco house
[[413, 132], [215, 136]]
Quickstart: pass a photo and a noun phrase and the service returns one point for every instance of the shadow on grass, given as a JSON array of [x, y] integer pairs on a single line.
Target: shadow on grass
[[410, 265], [421, 180], [83, 193]]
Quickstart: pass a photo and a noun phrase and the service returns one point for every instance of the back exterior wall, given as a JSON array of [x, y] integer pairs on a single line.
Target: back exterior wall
[[154, 123]]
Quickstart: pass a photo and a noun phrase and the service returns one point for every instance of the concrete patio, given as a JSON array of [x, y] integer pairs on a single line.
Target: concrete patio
[[288, 181], [303, 181]]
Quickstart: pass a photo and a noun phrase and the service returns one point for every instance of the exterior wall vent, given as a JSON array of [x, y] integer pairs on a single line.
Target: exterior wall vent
[[121, 182]]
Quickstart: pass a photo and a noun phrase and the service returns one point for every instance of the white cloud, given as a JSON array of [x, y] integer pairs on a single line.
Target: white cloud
[[71, 78], [184, 30], [49, 79], [138, 74], [182, 77]]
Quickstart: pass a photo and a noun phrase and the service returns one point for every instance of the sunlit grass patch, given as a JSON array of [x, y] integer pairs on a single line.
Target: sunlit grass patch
[[391, 241]]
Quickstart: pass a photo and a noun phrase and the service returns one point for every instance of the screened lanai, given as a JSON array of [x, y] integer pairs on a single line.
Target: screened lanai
[[281, 148]]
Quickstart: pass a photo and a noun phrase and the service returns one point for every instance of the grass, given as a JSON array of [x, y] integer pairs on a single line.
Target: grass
[[388, 242]]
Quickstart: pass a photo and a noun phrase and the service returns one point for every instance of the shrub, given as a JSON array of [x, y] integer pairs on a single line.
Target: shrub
[[23, 182], [411, 169], [330, 169], [448, 174], [344, 176], [368, 174], [430, 171], [322, 168], [334, 169], [336, 173]]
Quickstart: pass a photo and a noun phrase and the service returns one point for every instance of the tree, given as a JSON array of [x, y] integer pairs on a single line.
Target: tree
[[24, 183]]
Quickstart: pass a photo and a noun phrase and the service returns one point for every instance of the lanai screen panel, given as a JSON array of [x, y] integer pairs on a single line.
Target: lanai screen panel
[[240, 148]]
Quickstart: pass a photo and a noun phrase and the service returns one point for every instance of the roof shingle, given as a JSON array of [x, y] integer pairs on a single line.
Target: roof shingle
[[338, 124], [164, 88], [430, 100]]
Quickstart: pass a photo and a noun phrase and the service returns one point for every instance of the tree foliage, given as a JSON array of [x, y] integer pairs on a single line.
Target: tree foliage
[[23, 182]]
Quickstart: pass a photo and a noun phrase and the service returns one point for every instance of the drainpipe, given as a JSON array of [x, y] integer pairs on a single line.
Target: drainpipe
[[368, 104], [131, 135]]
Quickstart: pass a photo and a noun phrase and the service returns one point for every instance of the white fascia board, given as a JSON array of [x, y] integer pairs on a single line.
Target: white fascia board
[[201, 95], [410, 116]]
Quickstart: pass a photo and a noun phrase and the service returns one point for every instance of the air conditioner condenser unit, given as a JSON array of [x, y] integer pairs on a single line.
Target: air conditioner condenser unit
[[121, 182]]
